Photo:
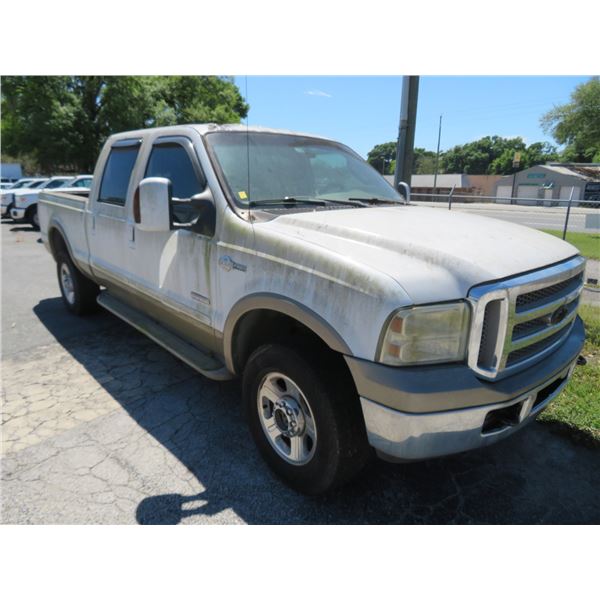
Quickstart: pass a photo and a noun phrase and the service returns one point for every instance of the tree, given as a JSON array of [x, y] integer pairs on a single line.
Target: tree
[[537, 153], [494, 155], [478, 157], [381, 157], [577, 123], [62, 122], [423, 161]]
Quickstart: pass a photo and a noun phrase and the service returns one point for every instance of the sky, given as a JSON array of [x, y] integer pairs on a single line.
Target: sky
[[364, 111]]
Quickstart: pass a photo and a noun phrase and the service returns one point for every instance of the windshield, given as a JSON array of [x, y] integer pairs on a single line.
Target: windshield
[[56, 183], [20, 184], [259, 167], [35, 184]]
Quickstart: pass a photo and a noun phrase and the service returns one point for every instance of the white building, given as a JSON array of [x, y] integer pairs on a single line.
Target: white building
[[552, 181]]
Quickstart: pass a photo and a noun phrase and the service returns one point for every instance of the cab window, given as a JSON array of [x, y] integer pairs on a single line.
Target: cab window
[[171, 160], [117, 174]]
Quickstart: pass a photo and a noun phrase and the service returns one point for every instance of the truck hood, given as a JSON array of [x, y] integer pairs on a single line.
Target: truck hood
[[433, 254]]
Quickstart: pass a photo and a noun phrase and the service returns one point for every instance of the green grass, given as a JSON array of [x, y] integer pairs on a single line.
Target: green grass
[[576, 411], [587, 243]]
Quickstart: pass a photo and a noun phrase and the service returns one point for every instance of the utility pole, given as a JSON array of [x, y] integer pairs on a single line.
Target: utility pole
[[406, 130], [437, 156], [515, 165]]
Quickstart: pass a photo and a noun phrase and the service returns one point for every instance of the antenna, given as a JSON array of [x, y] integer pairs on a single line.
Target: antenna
[[248, 155]]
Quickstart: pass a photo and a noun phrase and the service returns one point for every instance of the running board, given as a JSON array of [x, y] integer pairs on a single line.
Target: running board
[[200, 361]]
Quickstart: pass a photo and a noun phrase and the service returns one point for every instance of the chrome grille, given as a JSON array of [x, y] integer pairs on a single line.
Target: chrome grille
[[526, 328], [545, 295], [517, 356], [519, 321]]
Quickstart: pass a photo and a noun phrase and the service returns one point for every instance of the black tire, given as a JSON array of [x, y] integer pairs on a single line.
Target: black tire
[[82, 301], [341, 448], [32, 217]]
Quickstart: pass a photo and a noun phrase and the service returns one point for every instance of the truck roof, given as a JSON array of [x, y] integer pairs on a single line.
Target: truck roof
[[204, 128]]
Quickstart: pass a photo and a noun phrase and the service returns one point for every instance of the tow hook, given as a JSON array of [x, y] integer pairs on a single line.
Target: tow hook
[[581, 360]]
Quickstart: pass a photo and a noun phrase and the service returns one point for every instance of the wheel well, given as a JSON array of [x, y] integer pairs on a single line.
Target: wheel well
[[263, 326], [57, 242]]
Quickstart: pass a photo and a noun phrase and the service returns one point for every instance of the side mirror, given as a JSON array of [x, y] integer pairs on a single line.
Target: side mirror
[[151, 204], [204, 207], [404, 189]]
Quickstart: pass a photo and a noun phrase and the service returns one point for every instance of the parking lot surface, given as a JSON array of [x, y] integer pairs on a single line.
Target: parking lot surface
[[100, 425]]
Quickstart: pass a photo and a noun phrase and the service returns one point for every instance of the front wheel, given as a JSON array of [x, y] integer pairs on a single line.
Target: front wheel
[[33, 218], [78, 292], [305, 418]]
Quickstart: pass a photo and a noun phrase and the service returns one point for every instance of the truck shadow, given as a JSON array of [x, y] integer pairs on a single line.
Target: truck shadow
[[533, 477]]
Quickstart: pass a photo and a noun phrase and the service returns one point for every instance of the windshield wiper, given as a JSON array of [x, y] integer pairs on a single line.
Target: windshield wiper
[[349, 201], [287, 201], [369, 201]]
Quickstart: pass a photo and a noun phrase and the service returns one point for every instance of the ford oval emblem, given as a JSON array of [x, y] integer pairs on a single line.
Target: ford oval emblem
[[558, 315]]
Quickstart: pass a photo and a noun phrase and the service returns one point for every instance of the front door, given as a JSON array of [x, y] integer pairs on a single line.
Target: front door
[[174, 266]]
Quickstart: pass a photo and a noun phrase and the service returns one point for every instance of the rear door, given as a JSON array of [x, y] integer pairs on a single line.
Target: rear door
[[108, 231]]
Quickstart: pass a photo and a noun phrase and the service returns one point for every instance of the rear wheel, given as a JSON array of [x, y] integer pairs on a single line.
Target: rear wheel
[[305, 418], [78, 292]]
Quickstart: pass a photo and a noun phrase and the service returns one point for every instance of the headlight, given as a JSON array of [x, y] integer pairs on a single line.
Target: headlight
[[426, 334]]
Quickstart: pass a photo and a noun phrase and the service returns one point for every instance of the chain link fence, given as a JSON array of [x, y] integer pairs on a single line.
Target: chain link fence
[[581, 214]]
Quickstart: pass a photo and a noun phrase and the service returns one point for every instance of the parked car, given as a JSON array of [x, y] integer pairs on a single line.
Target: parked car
[[354, 318], [7, 196], [24, 182], [25, 203]]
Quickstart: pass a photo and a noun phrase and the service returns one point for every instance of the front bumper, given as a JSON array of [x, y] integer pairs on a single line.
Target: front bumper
[[17, 214], [458, 411]]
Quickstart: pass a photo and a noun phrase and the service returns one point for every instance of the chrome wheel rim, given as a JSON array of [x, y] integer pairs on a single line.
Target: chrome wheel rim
[[66, 282], [286, 418]]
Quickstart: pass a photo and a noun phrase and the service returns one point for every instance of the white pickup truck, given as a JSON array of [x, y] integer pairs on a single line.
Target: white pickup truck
[[7, 195], [24, 207], [355, 319]]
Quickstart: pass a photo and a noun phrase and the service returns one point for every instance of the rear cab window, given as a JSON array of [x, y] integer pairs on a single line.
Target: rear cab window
[[117, 172]]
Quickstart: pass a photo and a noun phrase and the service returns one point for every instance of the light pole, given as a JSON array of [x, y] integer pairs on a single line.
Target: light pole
[[406, 130], [437, 156]]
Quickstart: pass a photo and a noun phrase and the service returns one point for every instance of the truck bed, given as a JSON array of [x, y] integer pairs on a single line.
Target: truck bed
[[67, 210]]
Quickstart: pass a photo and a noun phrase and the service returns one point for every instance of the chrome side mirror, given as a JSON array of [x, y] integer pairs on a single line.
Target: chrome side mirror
[[151, 210]]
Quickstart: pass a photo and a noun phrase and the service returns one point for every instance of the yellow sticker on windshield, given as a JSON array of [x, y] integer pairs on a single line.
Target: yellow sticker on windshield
[[242, 195]]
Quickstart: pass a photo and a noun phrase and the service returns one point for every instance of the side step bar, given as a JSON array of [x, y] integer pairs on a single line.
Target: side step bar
[[200, 361]]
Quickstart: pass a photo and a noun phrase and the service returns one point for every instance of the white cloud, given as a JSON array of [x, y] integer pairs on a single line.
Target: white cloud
[[318, 93]]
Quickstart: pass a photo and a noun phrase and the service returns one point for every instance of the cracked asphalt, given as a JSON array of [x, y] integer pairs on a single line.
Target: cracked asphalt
[[100, 425]]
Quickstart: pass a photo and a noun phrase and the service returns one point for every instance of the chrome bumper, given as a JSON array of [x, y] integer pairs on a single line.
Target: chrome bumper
[[400, 436]]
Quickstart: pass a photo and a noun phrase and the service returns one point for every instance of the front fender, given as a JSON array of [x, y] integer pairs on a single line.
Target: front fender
[[286, 306]]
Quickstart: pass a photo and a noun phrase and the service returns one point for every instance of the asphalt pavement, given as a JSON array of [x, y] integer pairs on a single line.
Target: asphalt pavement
[[100, 425]]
